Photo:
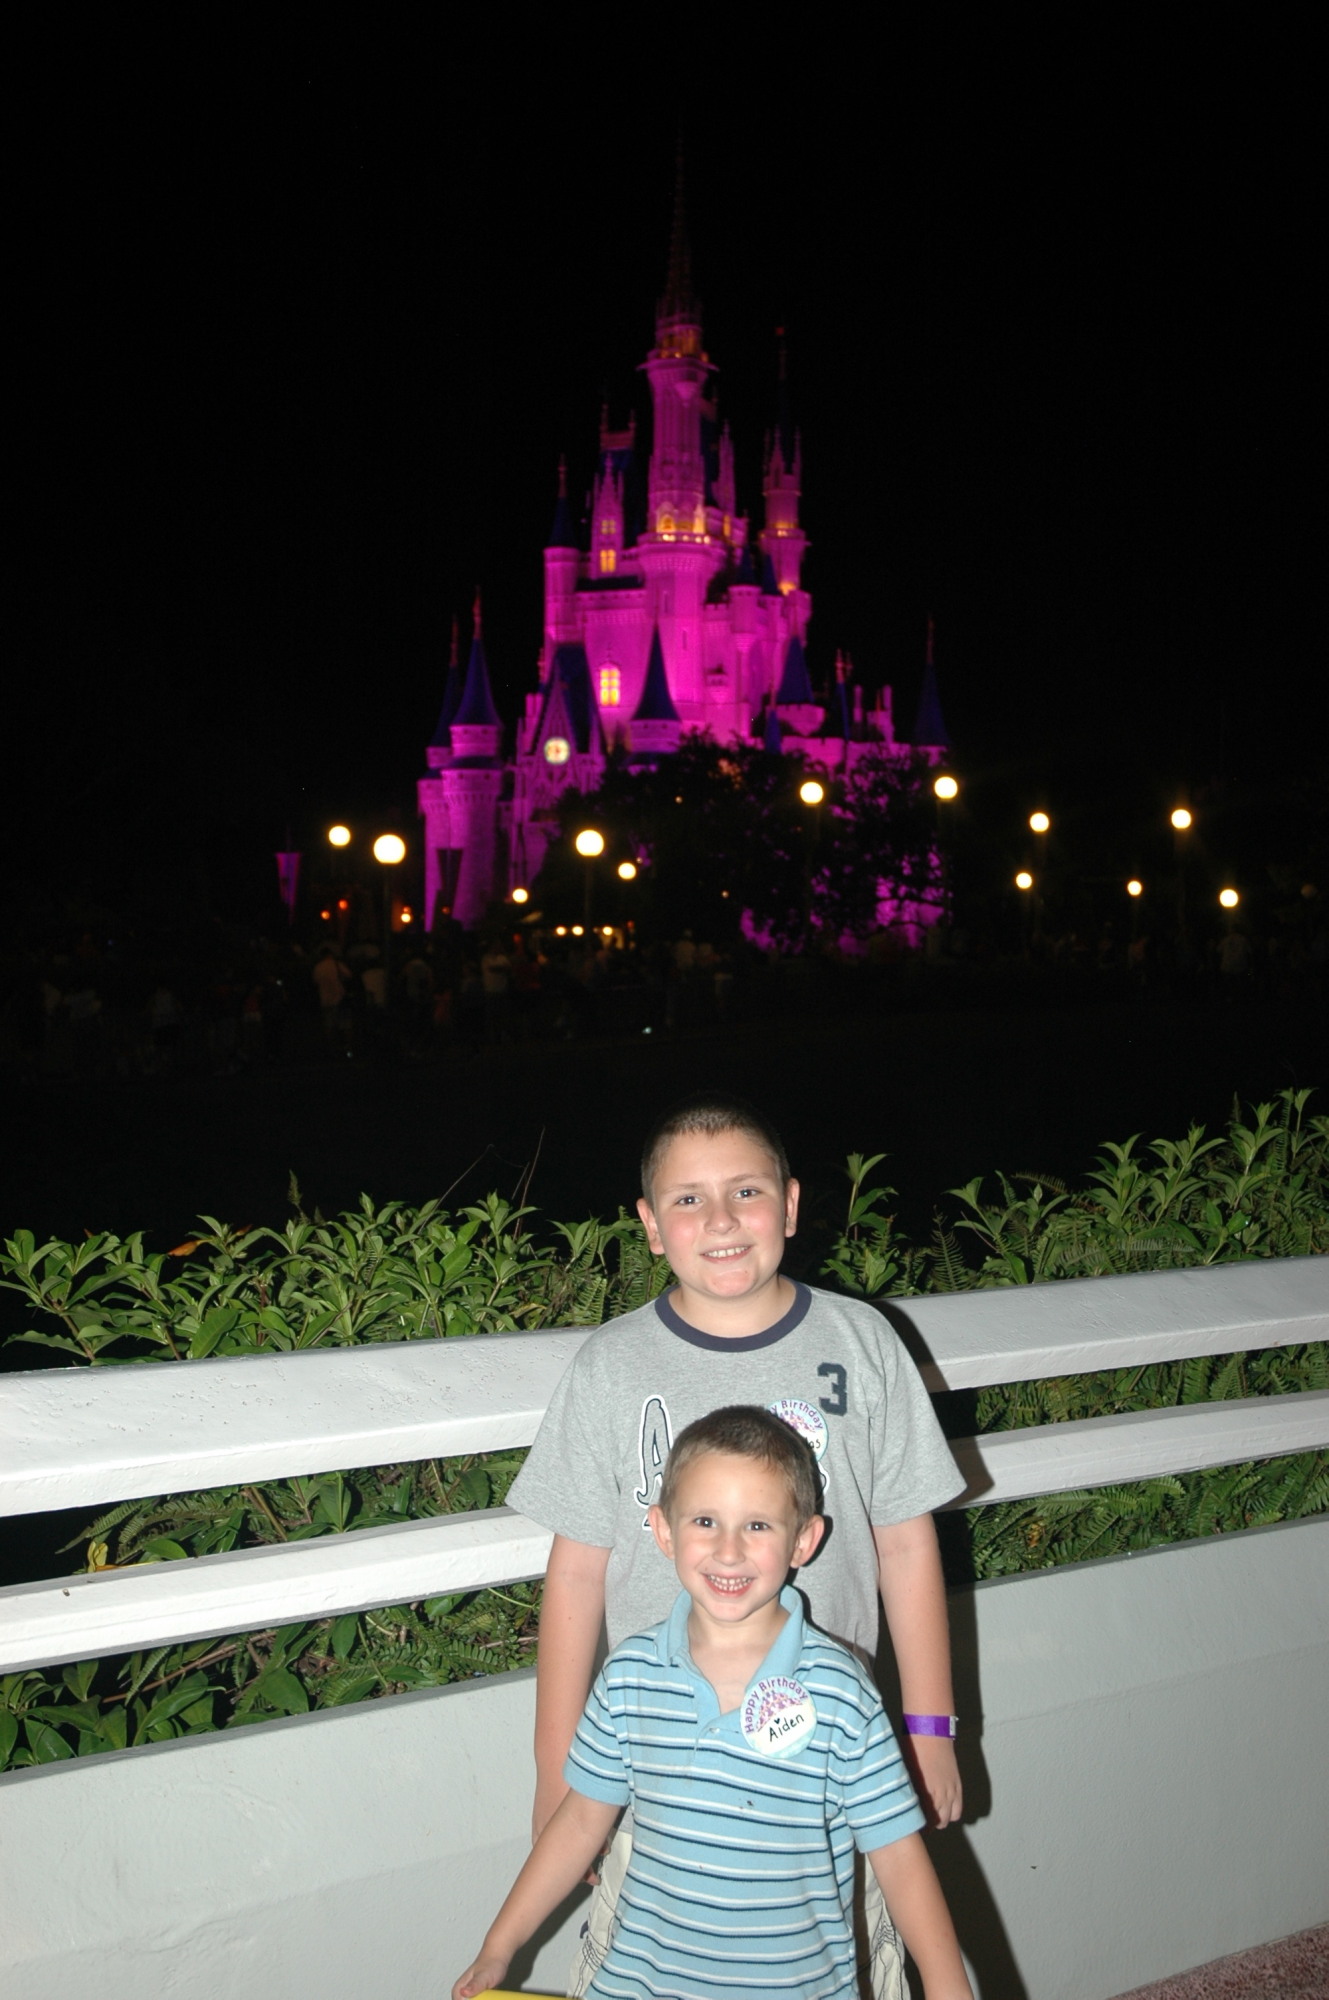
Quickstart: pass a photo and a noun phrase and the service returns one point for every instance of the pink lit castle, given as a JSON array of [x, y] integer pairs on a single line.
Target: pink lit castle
[[669, 616]]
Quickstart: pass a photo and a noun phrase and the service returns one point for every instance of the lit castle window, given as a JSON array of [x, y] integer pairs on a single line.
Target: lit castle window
[[608, 561], [611, 683]]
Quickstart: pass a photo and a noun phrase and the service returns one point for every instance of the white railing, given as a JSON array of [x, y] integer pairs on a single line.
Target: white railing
[[92, 1437]]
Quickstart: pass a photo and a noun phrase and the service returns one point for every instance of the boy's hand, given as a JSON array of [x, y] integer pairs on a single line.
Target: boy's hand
[[938, 1778], [488, 1969]]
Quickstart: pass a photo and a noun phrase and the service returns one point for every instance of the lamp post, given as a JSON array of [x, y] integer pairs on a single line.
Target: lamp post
[[1181, 820], [811, 793], [389, 852], [945, 790], [590, 844]]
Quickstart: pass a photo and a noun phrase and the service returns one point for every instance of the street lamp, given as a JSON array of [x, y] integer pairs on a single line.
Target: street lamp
[[946, 787], [589, 843], [339, 835], [1135, 887], [1024, 880], [811, 792], [390, 852], [627, 871], [1228, 898], [521, 895], [1039, 822], [1182, 820]]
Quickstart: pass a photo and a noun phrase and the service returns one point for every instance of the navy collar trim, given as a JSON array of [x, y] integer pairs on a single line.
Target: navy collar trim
[[749, 1342]]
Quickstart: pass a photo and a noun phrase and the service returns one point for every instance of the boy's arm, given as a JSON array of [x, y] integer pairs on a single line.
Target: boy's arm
[[913, 1594], [553, 1868], [571, 1615], [918, 1910]]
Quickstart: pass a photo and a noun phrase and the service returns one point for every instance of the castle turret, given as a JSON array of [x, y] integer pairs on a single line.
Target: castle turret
[[562, 567], [782, 538], [469, 788]]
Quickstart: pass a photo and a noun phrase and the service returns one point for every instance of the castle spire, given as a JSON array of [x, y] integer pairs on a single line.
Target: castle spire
[[442, 736], [476, 708], [562, 534], [679, 302], [930, 724]]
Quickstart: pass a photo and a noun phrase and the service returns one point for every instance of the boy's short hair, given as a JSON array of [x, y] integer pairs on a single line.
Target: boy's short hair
[[711, 1113], [743, 1430]]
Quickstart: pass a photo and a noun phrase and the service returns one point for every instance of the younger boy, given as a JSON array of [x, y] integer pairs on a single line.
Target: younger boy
[[754, 1752], [718, 1201]]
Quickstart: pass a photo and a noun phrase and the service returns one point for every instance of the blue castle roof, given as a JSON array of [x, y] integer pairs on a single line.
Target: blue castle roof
[[477, 698], [794, 683], [656, 704], [930, 723]]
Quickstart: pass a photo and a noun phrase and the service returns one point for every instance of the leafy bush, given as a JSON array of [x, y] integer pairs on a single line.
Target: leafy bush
[[1260, 1190]]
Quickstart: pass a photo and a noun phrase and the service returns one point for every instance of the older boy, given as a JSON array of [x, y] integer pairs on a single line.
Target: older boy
[[719, 1202], [755, 1754]]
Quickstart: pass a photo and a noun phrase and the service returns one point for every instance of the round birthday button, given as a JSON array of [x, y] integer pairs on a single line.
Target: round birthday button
[[778, 1716], [805, 1418]]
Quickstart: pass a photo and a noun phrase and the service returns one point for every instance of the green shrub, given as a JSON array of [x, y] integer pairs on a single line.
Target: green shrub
[[1260, 1190]]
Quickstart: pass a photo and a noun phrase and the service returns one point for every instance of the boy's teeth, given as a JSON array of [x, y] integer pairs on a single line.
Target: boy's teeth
[[728, 1582], [735, 1251]]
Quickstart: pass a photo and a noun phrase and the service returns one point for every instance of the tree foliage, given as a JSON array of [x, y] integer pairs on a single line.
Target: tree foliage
[[722, 831]]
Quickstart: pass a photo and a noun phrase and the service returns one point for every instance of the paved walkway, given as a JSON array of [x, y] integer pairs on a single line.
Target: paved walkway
[[1296, 1968]]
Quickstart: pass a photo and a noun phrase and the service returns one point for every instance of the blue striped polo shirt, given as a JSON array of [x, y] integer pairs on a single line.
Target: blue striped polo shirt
[[741, 1878]]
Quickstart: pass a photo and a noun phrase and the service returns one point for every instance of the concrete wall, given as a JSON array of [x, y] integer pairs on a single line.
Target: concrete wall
[[1146, 1757]]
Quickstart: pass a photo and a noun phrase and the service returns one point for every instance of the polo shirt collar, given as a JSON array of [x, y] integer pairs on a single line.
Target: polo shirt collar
[[783, 1657]]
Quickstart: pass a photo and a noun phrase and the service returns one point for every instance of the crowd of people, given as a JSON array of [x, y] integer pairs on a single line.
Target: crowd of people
[[91, 1009]]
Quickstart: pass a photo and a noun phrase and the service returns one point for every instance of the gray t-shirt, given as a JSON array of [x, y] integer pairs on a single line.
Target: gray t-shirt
[[832, 1367]]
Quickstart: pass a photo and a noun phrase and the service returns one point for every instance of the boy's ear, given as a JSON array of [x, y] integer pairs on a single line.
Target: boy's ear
[[648, 1223], [659, 1522], [790, 1207], [807, 1541]]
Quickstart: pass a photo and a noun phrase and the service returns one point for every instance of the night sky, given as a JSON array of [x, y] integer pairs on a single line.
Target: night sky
[[305, 324]]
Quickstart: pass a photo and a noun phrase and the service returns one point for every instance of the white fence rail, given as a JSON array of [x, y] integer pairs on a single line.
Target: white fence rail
[[1098, 1698], [91, 1437]]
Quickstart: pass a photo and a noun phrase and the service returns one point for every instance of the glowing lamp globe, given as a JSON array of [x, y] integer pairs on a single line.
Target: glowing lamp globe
[[389, 848], [946, 787], [1039, 822], [521, 895], [627, 871], [1181, 819], [1135, 887], [339, 836], [578, 930], [1024, 880], [590, 842], [1228, 898], [811, 792]]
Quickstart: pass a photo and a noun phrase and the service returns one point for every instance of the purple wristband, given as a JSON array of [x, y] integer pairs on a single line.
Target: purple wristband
[[931, 1725]]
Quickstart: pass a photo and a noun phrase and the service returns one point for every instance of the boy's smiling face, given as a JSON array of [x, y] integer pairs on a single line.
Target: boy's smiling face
[[720, 1214], [733, 1535]]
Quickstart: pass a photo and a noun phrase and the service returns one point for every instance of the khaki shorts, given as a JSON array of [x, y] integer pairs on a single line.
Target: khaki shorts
[[880, 1952]]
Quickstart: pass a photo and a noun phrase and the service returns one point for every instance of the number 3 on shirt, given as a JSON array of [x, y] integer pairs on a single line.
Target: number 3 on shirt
[[837, 1402]]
